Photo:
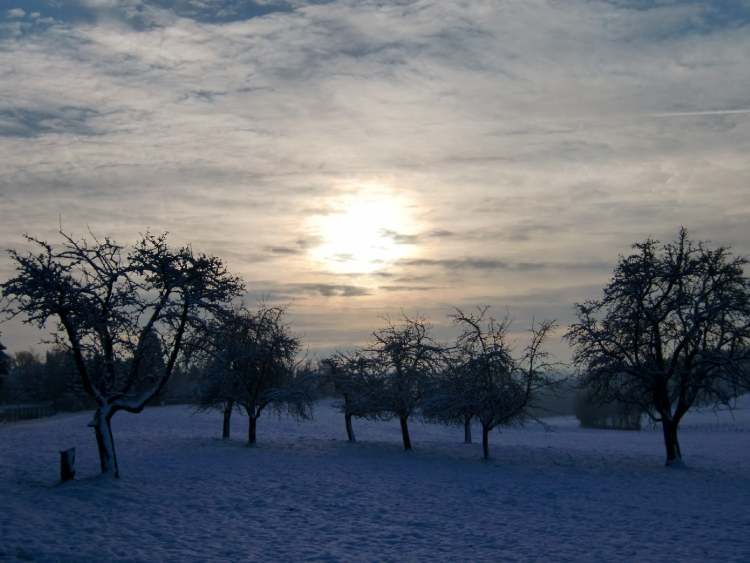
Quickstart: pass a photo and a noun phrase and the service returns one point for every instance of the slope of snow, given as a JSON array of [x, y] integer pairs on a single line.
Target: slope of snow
[[304, 494]]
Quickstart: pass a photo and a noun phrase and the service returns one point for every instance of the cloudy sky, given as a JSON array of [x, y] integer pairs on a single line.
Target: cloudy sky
[[353, 158]]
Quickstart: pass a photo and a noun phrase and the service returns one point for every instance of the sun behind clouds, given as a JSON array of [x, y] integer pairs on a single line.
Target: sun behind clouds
[[366, 231]]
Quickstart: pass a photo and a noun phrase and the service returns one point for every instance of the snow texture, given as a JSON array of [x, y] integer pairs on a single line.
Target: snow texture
[[305, 494]]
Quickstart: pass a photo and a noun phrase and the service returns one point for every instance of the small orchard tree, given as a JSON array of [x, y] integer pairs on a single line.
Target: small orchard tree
[[213, 351], [670, 331], [445, 401], [405, 357], [255, 366], [487, 382], [217, 390], [105, 304], [358, 383]]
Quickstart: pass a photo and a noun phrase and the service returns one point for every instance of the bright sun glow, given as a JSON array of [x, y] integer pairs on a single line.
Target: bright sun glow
[[366, 233]]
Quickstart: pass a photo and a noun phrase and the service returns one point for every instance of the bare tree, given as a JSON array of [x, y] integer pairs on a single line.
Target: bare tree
[[255, 366], [670, 331], [213, 351], [445, 401], [357, 381], [217, 390], [486, 381], [107, 304], [405, 356]]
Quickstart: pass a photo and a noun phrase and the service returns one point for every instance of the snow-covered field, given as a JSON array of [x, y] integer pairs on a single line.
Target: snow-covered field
[[304, 494]]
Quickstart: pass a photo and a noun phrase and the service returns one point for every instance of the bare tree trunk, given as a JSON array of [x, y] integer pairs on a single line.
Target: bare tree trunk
[[349, 428], [226, 427], [467, 430], [405, 432], [252, 424], [486, 441], [671, 444], [105, 442]]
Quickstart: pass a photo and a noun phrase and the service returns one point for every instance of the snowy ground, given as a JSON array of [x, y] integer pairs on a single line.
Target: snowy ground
[[304, 494]]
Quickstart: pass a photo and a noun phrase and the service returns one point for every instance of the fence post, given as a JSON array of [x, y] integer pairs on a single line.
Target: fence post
[[67, 464]]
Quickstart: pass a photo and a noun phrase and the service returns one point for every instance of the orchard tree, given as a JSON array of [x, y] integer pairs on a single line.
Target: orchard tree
[[356, 379], [445, 401], [485, 381], [217, 390], [254, 365], [671, 331], [216, 349], [105, 305], [405, 357]]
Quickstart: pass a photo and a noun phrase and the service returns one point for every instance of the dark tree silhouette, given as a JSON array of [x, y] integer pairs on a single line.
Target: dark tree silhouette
[[405, 357], [446, 399], [217, 390], [356, 379], [671, 331], [107, 304], [216, 349], [253, 365], [484, 380]]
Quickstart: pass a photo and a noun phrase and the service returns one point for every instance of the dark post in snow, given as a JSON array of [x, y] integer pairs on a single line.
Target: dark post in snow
[[227, 421], [67, 465]]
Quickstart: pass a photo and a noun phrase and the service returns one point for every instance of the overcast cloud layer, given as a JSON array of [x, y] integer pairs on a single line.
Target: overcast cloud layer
[[529, 141]]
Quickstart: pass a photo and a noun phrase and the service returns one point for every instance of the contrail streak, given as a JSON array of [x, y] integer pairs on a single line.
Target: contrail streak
[[704, 112]]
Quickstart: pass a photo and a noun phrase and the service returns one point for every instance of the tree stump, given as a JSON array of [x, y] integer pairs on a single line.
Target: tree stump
[[67, 464]]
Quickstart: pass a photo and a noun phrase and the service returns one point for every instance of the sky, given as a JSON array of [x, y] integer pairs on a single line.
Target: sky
[[354, 159]]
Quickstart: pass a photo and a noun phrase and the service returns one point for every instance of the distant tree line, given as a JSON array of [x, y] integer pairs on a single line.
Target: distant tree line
[[52, 377], [594, 413], [670, 332]]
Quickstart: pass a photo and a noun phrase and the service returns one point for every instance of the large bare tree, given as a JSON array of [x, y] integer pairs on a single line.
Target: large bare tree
[[671, 331], [106, 304]]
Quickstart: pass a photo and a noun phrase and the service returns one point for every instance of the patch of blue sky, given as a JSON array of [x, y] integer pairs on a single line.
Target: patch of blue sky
[[35, 9], [206, 11], [714, 15]]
